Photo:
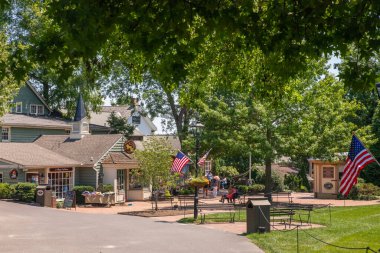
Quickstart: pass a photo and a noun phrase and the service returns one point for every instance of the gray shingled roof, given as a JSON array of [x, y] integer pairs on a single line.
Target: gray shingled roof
[[119, 158], [32, 155], [88, 150], [23, 120]]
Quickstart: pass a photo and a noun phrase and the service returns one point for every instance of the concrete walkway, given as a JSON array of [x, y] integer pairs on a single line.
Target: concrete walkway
[[235, 228], [32, 229]]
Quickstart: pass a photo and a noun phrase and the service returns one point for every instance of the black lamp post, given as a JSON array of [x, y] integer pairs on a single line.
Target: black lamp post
[[378, 89], [197, 130]]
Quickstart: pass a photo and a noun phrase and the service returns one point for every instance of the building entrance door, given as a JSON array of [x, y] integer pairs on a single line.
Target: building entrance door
[[120, 185], [60, 181], [329, 180]]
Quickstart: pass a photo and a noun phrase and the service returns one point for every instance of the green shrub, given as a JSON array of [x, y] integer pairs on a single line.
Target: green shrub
[[25, 192], [6, 192], [364, 191], [256, 188], [107, 188], [243, 189], [59, 204], [78, 192], [186, 191]]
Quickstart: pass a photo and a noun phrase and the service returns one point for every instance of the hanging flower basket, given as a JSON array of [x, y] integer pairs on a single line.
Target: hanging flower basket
[[198, 182]]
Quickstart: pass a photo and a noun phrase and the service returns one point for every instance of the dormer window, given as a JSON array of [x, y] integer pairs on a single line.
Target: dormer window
[[36, 109], [5, 134], [136, 119], [19, 107]]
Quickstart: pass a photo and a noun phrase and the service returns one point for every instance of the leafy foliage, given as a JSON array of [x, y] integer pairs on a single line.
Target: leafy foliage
[[226, 171], [25, 192], [6, 192], [79, 189], [154, 165], [120, 125]]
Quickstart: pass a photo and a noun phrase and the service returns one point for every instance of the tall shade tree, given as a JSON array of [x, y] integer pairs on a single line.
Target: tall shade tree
[[304, 116], [155, 161]]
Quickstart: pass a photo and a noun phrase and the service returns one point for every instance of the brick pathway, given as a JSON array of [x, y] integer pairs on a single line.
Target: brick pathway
[[237, 227]]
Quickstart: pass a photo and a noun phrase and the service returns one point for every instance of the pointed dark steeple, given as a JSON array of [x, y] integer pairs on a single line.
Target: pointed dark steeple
[[80, 112], [80, 125]]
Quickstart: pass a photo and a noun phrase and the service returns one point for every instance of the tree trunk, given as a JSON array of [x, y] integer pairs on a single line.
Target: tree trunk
[[156, 200], [268, 178], [268, 168]]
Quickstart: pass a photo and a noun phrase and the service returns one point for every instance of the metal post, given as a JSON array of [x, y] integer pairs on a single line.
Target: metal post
[[298, 249], [250, 170], [196, 174]]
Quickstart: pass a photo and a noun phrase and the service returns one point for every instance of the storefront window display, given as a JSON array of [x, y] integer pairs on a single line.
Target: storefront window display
[[61, 181]]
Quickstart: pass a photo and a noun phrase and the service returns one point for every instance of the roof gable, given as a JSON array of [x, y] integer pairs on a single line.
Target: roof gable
[[88, 150]]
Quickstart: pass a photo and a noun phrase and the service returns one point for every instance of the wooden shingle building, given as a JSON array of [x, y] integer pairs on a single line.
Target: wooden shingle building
[[39, 148]]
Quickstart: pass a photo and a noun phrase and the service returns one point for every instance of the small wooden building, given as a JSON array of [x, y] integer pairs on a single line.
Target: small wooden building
[[326, 177]]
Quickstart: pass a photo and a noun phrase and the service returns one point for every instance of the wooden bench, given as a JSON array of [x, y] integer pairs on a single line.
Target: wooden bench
[[162, 198], [184, 200], [285, 215], [277, 195], [305, 211], [224, 207]]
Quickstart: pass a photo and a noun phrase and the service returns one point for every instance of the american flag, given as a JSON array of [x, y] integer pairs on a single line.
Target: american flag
[[203, 158], [358, 157], [179, 162]]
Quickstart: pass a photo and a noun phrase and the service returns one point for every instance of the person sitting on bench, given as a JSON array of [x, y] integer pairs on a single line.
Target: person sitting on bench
[[232, 192]]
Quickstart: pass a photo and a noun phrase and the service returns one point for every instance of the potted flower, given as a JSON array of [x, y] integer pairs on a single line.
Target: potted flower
[[198, 182]]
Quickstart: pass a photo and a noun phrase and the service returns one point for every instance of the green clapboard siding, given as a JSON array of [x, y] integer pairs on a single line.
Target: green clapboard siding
[[7, 179], [119, 146], [27, 97], [31, 134], [4, 163], [85, 176]]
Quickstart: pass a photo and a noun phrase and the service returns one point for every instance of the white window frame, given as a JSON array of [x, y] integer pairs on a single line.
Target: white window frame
[[18, 105], [1, 177], [40, 108], [35, 107], [9, 134]]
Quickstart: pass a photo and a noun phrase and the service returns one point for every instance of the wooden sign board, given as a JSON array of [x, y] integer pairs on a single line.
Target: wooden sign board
[[70, 200]]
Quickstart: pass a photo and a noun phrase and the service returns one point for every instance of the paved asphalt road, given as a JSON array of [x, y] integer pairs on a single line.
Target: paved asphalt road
[[29, 229]]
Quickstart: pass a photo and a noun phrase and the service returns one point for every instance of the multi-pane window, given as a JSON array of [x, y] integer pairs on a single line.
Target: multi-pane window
[[120, 179], [5, 134], [60, 182], [328, 172], [136, 119], [40, 110], [36, 109], [19, 107], [133, 182]]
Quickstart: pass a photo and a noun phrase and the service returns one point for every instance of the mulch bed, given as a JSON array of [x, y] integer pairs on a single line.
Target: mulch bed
[[158, 213]]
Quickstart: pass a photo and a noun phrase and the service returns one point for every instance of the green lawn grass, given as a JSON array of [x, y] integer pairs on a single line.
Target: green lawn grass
[[350, 227]]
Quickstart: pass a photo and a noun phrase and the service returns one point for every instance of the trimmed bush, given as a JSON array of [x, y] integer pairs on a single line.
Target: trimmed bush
[[186, 191], [364, 191], [79, 190], [6, 192], [25, 192], [107, 188], [243, 189], [256, 188]]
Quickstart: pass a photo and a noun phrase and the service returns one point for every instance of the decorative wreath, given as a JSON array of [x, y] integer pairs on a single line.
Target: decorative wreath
[[13, 174]]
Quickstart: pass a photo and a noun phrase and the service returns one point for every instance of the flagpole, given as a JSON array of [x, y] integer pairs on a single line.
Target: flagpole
[[185, 155], [353, 133]]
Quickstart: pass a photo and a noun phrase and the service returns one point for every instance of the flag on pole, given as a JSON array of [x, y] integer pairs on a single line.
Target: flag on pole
[[358, 157], [179, 162], [203, 158]]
